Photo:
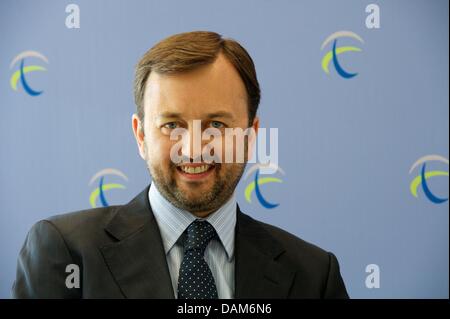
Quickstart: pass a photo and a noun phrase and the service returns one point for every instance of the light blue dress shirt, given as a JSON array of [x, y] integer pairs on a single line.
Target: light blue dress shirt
[[219, 254]]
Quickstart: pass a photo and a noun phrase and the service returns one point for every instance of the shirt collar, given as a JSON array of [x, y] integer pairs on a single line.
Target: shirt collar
[[173, 221]]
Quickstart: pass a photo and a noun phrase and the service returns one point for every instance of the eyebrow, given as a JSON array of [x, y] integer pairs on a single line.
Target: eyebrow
[[169, 115], [224, 114], [218, 114]]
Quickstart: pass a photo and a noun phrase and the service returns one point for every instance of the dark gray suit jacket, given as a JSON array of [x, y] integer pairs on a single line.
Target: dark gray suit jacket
[[120, 254]]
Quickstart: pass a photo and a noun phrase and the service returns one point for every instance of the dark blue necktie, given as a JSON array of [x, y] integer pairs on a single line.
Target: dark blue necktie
[[195, 280]]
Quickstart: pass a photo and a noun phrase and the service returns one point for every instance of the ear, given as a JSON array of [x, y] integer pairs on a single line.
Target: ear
[[253, 137], [138, 130]]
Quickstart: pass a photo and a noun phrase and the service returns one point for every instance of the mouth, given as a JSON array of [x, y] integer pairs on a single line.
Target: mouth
[[194, 171]]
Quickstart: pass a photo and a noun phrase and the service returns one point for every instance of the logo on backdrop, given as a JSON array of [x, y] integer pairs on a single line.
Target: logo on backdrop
[[20, 74], [258, 181], [335, 51], [424, 175], [99, 192]]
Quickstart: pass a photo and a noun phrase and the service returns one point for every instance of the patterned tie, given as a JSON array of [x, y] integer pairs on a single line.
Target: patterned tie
[[195, 280]]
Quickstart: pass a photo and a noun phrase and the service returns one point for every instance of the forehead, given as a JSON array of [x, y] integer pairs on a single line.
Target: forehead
[[210, 88]]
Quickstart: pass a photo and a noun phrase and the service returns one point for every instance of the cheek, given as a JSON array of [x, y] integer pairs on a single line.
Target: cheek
[[234, 150], [158, 149]]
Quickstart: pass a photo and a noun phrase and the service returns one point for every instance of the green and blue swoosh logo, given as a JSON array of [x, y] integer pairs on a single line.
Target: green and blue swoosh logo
[[332, 55], [19, 75], [422, 178], [98, 194], [255, 184]]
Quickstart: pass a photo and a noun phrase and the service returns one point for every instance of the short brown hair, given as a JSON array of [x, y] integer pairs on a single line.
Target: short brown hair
[[187, 51]]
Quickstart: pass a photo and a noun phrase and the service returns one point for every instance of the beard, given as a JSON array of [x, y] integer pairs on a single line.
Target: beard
[[211, 200], [225, 179]]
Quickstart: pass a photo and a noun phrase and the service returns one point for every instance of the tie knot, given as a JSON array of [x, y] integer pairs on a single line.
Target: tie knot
[[199, 234]]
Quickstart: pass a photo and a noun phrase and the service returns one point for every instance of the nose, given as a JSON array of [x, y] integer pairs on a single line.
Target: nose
[[192, 146]]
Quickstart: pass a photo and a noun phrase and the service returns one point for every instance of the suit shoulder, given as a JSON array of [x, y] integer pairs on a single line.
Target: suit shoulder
[[295, 246], [317, 271], [83, 221]]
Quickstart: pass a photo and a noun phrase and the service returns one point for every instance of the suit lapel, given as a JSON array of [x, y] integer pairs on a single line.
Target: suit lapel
[[257, 272], [137, 259]]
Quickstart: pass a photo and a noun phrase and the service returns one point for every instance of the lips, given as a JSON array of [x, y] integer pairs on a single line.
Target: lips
[[195, 170]]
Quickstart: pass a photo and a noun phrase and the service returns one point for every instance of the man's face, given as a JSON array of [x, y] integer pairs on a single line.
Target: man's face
[[214, 94]]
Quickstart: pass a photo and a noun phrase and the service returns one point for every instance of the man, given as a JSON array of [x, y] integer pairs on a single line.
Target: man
[[184, 236]]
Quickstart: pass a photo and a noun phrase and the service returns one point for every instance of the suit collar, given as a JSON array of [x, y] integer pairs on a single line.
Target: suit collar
[[137, 260], [131, 217], [258, 273]]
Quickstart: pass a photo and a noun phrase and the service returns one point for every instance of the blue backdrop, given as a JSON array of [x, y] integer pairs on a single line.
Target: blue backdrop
[[346, 145]]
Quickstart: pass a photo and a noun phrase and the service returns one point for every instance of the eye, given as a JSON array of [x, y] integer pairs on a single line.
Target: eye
[[170, 125], [217, 124]]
